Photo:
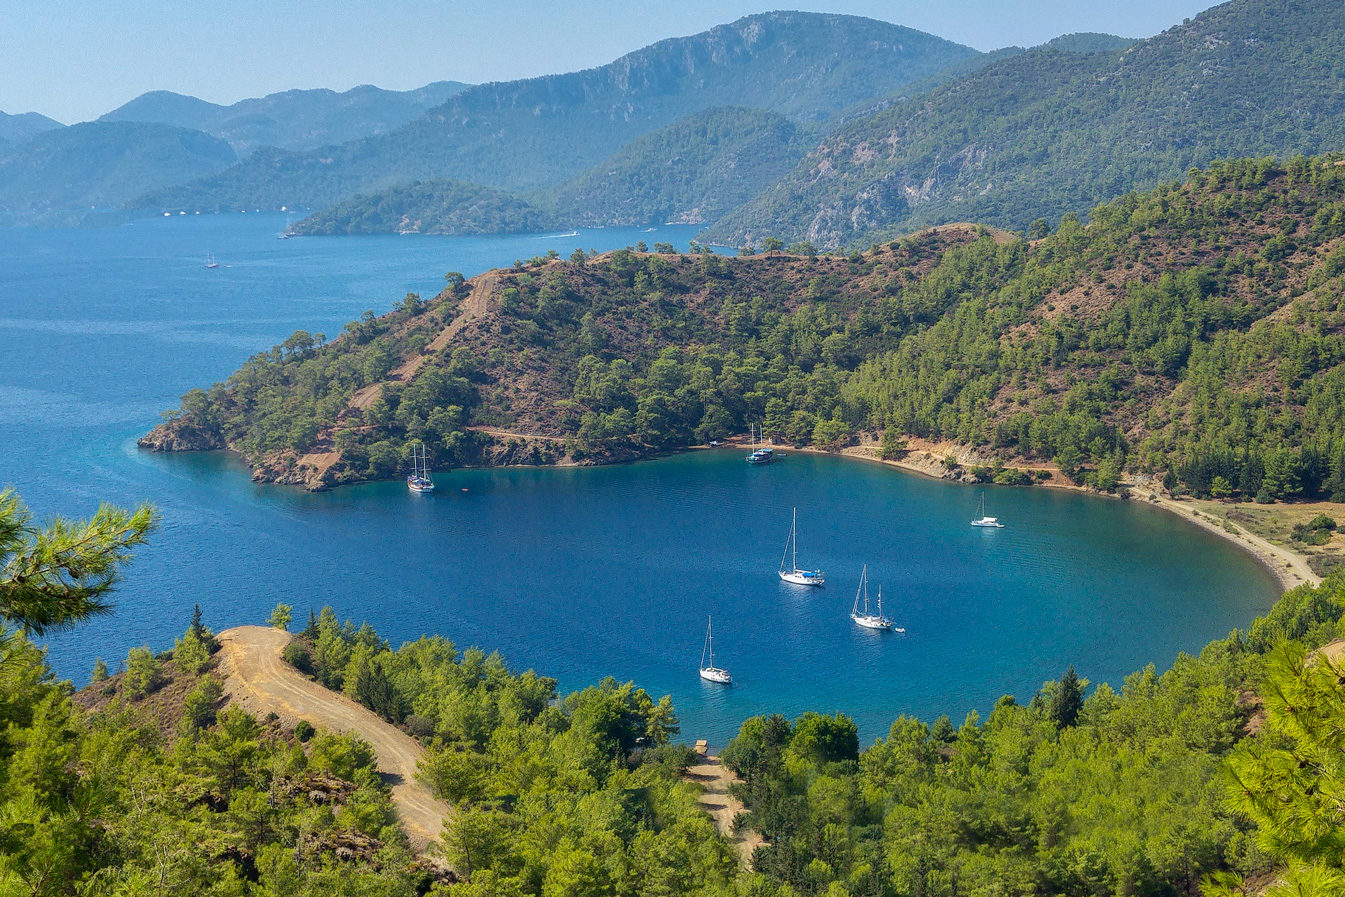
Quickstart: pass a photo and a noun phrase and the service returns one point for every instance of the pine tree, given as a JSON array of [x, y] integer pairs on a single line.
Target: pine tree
[[197, 628], [1068, 700], [1288, 780]]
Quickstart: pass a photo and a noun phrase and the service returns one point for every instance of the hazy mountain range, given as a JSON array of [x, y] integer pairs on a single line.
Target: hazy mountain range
[[294, 119], [834, 129], [542, 131], [1046, 132]]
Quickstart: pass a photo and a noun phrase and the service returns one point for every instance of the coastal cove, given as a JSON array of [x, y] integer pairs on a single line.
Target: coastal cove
[[578, 573]]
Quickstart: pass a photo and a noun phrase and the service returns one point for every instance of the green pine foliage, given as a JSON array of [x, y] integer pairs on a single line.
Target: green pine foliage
[[101, 797], [551, 795]]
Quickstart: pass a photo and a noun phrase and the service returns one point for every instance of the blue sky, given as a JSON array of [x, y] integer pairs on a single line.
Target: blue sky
[[76, 60]]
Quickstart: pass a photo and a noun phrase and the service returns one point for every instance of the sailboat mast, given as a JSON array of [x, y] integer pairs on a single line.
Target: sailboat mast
[[794, 537]]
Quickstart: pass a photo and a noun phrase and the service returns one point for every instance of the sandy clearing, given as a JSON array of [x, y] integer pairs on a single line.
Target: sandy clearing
[[712, 775]]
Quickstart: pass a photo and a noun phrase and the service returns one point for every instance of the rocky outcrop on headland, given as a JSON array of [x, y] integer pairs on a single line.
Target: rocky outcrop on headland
[[181, 435]]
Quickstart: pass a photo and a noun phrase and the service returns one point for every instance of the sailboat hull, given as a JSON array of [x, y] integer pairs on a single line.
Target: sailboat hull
[[714, 674], [419, 484], [803, 577], [871, 621]]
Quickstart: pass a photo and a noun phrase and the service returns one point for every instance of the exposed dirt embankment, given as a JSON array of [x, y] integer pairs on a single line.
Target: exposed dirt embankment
[[258, 680]]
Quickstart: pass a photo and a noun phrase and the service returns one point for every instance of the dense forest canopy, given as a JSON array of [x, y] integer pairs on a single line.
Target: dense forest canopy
[[1192, 332]]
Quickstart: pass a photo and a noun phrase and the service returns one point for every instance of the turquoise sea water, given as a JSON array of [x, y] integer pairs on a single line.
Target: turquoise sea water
[[578, 573]]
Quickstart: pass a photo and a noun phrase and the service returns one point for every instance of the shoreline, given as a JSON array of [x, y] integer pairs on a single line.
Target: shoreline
[[1289, 568]]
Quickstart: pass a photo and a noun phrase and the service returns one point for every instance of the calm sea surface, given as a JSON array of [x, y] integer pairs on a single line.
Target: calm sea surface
[[576, 573]]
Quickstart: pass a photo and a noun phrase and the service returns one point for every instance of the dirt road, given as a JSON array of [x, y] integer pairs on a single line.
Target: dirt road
[[259, 681]]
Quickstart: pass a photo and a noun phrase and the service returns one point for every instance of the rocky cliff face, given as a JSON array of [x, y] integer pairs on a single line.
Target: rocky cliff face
[[180, 435]]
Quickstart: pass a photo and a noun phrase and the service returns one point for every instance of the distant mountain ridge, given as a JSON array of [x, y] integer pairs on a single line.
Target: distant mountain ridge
[[18, 128], [291, 119], [541, 131], [1047, 132]]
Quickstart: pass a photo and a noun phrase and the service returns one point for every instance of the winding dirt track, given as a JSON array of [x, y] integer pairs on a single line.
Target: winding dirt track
[[260, 682]]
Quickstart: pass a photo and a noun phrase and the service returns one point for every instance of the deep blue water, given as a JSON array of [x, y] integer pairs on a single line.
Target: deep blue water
[[577, 573]]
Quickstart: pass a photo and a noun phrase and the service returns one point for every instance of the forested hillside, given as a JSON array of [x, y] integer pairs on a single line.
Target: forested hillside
[[427, 207], [691, 171], [1193, 332], [103, 164], [541, 131], [1048, 132]]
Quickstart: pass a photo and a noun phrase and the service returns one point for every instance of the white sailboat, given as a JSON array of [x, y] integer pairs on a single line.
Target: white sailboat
[[864, 618], [419, 478], [793, 573], [210, 262], [710, 672], [983, 520], [763, 455]]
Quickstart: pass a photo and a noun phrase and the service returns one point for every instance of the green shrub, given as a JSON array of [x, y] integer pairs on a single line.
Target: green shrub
[[200, 704], [281, 616], [144, 672], [297, 655], [191, 654]]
